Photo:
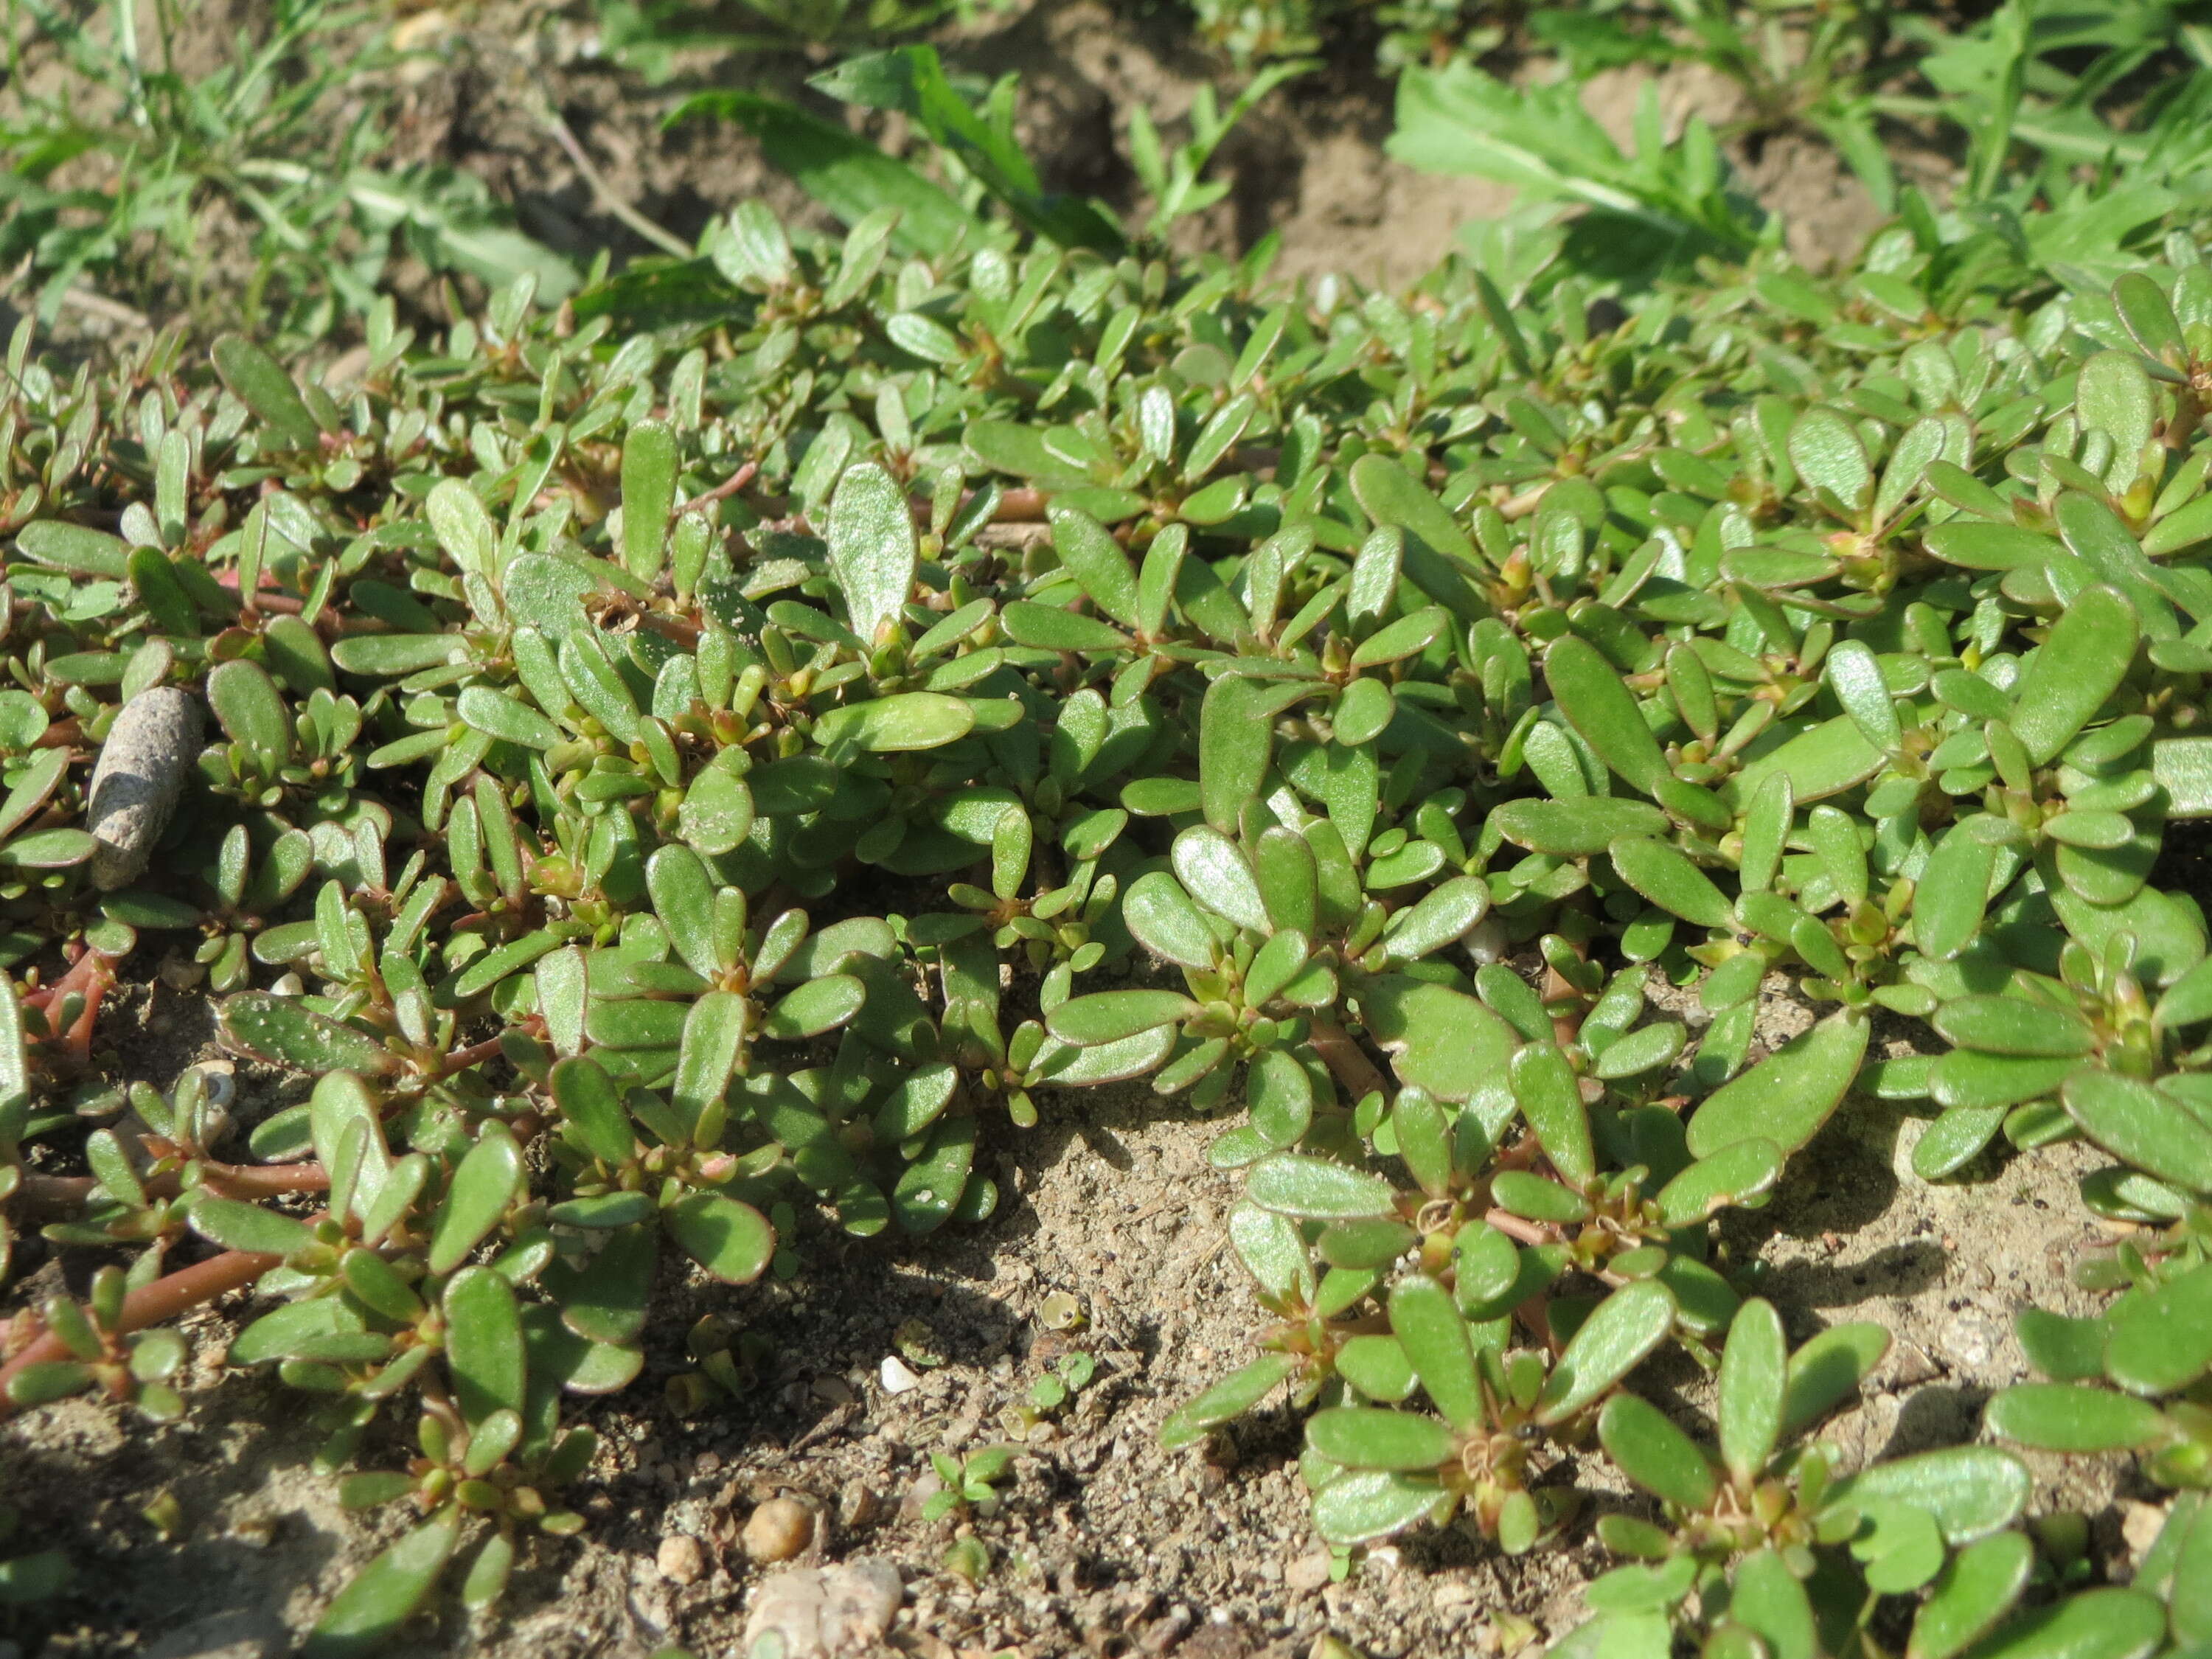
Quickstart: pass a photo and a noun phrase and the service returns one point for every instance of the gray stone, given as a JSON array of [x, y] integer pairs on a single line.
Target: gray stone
[[823, 1612], [143, 767]]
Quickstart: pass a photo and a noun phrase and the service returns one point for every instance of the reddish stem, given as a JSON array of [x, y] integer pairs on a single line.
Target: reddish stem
[[729, 486], [51, 1195], [165, 1298], [1346, 1061], [93, 974], [1520, 1227], [461, 1058]]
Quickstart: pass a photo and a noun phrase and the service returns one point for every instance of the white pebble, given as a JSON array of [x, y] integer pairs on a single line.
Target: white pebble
[[897, 1375]]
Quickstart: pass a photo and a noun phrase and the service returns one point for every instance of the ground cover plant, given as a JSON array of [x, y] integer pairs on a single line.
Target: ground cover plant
[[685, 767]]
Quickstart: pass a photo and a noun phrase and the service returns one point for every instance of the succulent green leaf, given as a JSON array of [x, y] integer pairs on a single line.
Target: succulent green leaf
[[1369, 1437], [1550, 1098], [1227, 1399], [1754, 1377], [732, 1240], [1787, 1096], [1827, 1368], [902, 723], [1316, 1189], [2070, 1417], [1365, 1504], [873, 553], [1655, 1454], [2079, 665], [383, 1595], [1978, 1587], [2133, 1122], [1601, 707], [1970, 1490], [2107, 1623], [1612, 1342], [485, 1182]]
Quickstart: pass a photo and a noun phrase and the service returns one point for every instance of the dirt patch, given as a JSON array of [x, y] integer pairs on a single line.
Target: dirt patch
[[1307, 165], [1104, 1544]]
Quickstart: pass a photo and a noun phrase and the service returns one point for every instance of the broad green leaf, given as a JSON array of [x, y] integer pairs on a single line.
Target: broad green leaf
[[2078, 665], [1315, 1188], [1655, 1454], [1824, 448], [1824, 760], [2133, 1122], [1787, 1096], [1214, 871], [1550, 1098], [1428, 1325], [592, 1110], [871, 550], [1857, 681], [237, 1225], [1161, 917], [2013, 1025], [1664, 874], [1109, 1016], [1576, 829], [1437, 1039], [712, 1044], [1590, 694], [819, 1005], [1365, 1504], [730, 1240], [1754, 1375], [1136, 1055], [249, 708], [2159, 1340], [2070, 1417], [2095, 1624], [1369, 1437], [1769, 1600], [1392, 496], [683, 895], [1954, 1139], [1740, 1170], [260, 383], [1825, 1368], [1227, 1399], [1612, 1342], [1235, 740], [1979, 1586], [648, 496], [1050, 627], [1971, 1490], [908, 720], [382, 1596], [483, 1343], [282, 1031], [486, 1181], [1096, 562]]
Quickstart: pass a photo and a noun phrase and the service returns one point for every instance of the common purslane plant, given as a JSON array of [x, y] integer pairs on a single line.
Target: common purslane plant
[[682, 767]]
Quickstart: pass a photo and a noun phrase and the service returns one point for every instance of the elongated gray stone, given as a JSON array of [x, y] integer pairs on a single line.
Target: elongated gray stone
[[149, 752]]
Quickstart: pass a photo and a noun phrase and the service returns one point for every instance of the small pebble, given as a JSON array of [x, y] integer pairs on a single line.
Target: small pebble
[[858, 1505], [680, 1559], [897, 1375], [142, 766], [779, 1529], [1307, 1572], [2141, 1524]]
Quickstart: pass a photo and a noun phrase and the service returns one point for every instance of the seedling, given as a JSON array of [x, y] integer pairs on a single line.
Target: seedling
[[968, 1482]]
